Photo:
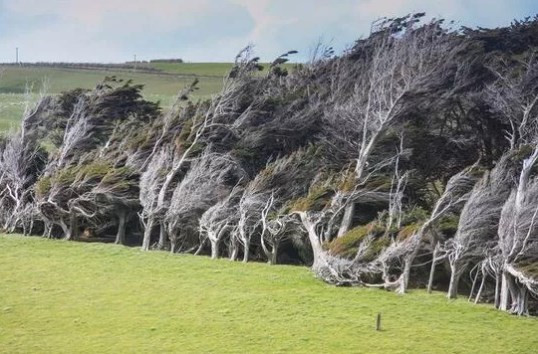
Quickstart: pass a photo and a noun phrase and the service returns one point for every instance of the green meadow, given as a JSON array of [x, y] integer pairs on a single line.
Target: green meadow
[[162, 87], [67, 297]]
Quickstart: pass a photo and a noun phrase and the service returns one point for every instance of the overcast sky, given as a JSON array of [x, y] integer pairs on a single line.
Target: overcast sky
[[213, 30]]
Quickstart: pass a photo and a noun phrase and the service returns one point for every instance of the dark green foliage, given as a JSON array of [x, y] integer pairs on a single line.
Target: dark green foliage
[[516, 38], [415, 215], [449, 225]]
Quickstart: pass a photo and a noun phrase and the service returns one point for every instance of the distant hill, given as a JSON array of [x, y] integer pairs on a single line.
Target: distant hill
[[162, 80]]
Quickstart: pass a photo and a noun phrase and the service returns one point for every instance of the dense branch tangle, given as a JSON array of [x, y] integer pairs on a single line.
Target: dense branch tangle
[[329, 164], [393, 73], [167, 160]]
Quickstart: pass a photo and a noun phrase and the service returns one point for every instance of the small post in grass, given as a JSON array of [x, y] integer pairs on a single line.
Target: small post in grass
[[378, 322]]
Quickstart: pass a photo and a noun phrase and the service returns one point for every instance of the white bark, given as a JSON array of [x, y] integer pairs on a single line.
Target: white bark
[[120, 235]]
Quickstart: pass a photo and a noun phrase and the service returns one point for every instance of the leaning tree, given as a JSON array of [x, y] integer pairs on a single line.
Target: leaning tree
[[174, 149], [209, 179], [393, 71]]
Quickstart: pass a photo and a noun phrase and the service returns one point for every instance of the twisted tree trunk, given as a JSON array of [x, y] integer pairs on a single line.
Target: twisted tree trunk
[[404, 280], [520, 304], [482, 284], [47, 228], [173, 244], [313, 237]]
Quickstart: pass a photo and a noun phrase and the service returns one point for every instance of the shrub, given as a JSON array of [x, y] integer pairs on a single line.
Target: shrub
[[414, 215], [316, 200], [408, 230], [375, 248], [43, 186], [448, 225], [348, 244]]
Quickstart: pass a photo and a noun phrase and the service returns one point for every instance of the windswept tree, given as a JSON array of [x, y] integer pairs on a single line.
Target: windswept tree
[[21, 161], [250, 209], [397, 68], [219, 221], [479, 220], [209, 179], [82, 175], [518, 240], [277, 186], [514, 95], [196, 131], [456, 193], [275, 229], [360, 165]]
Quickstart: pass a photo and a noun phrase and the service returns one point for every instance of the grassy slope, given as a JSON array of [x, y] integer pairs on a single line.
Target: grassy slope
[[158, 87], [57, 296], [15, 79], [11, 108], [163, 88], [202, 69], [205, 69]]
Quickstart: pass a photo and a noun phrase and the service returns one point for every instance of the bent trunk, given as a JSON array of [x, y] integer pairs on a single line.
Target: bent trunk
[[497, 290], [173, 244], [120, 235], [215, 249], [47, 228], [404, 279], [147, 235], [246, 250], [162, 237], [317, 250], [432, 268], [65, 229], [233, 249], [71, 231], [454, 282], [274, 254], [347, 220], [481, 288], [520, 302], [505, 291]]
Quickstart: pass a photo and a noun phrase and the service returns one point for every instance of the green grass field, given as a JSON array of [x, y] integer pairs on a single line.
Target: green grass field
[[64, 297], [157, 87], [16, 79], [162, 87], [11, 109], [198, 69]]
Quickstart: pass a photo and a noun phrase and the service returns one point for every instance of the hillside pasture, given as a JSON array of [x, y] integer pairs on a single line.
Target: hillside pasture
[[66, 297], [15, 81]]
